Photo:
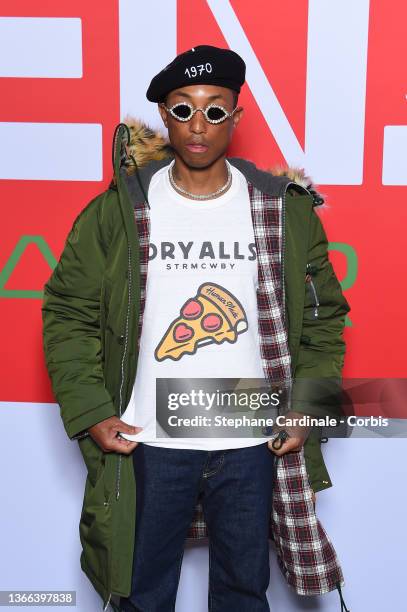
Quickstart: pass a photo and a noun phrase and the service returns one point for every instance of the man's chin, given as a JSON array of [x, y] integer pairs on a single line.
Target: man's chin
[[198, 163]]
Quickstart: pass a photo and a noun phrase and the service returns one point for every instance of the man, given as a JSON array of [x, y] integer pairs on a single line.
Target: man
[[140, 293]]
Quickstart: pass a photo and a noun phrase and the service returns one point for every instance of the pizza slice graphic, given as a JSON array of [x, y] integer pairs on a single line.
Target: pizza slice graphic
[[213, 315]]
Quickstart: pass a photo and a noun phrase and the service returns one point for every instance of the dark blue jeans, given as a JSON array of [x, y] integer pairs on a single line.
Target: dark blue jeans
[[235, 487]]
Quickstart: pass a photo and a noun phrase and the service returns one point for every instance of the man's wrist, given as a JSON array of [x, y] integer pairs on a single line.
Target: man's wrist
[[295, 424]]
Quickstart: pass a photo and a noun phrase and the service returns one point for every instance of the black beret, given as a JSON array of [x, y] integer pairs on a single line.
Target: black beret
[[203, 64]]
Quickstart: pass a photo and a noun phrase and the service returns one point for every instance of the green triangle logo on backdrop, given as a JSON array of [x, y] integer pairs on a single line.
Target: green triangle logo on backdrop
[[12, 262]]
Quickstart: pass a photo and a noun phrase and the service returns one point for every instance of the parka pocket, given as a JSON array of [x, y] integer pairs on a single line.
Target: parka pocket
[[94, 458], [95, 531]]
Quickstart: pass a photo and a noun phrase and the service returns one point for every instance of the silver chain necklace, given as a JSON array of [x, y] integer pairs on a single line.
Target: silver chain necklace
[[206, 196]]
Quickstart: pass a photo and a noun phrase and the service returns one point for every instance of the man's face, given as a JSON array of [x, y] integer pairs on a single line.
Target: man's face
[[214, 138]]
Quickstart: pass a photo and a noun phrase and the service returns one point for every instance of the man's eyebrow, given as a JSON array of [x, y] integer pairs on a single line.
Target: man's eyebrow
[[187, 95]]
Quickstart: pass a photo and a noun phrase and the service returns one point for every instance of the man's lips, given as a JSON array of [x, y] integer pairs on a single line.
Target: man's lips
[[196, 148]]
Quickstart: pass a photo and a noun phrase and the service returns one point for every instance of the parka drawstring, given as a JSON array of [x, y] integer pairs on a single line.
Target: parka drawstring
[[343, 604]]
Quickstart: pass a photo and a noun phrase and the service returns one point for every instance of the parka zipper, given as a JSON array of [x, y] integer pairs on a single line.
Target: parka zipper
[[107, 603], [122, 363], [311, 283], [308, 279], [283, 250], [286, 383], [119, 465]]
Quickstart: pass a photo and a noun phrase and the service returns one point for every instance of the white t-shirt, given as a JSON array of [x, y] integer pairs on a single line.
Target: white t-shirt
[[196, 244]]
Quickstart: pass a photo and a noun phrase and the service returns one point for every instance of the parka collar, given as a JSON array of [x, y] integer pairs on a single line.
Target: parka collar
[[142, 151]]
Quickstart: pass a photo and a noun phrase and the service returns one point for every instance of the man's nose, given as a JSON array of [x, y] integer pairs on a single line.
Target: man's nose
[[198, 122]]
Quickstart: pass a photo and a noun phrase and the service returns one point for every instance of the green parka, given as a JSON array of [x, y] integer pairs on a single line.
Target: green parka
[[90, 324]]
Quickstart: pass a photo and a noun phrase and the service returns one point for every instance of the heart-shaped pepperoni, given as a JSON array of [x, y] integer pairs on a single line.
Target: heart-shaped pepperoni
[[182, 332], [191, 309], [211, 322]]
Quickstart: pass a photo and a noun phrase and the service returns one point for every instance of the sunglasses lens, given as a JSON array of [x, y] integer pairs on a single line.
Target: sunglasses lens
[[214, 113], [182, 111]]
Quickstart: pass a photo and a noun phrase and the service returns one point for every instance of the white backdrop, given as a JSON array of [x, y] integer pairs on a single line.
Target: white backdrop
[[42, 481]]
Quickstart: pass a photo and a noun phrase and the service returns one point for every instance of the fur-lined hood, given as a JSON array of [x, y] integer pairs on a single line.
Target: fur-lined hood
[[147, 144]]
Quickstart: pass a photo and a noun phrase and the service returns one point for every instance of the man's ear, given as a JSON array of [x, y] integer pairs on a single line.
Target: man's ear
[[238, 114], [163, 114]]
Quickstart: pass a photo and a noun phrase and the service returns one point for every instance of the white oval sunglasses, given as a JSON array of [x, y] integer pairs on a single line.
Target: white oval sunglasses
[[184, 111]]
